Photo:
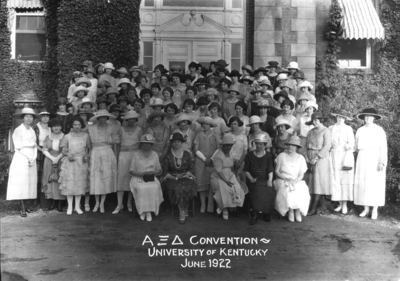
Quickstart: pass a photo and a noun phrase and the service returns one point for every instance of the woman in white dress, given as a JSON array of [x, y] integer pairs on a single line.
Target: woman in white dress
[[342, 179], [130, 134], [370, 174], [292, 191], [145, 186], [22, 179]]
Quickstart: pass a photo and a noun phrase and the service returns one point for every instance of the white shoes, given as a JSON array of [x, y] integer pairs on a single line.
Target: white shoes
[[130, 208], [143, 216], [78, 210], [203, 209], [118, 210], [291, 216], [148, 216], [298, 215], [87, 208], [96, 207], [69, 211], [374, 215], [102, 209], [225, 214], [338, 209], [365, 212], [344, 210]]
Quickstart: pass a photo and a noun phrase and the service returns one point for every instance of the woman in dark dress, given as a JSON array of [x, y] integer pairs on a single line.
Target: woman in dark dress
[[259, 173], [178, 179], [64, 115]]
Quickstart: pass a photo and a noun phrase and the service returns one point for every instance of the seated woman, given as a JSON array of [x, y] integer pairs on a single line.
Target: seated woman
[[144, 184], [178, 179], [292, 191], [228, 192], [259, 173]]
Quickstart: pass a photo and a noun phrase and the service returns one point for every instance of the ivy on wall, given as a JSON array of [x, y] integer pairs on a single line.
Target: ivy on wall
[[354, 90]]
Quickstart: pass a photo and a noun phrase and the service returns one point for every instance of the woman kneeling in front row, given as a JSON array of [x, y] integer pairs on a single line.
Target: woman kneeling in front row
[[292, 191]]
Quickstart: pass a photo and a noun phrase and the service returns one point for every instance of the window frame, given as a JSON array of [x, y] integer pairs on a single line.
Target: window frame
[[240, 58], [14, 33], [368, 60]]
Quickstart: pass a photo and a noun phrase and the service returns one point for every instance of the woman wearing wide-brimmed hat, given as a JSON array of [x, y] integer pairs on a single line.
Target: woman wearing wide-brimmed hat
[[63, 114], [122, 73], [80, 92], [213, 81], [318, 146], [74, 171], [103, 163], [302, 127], [183, 123], [112, 95], [205, 144], [370, 172], [189, 109], [279, 142], [228, 105], [342, 155], [272, 73], [259, 173], [91, 76], [129, 134], [53, 154], [42, 130], [159, 131], [292, 192], [106, 76], [144, 185], [124, 86], [252, 108], [228, 191], [202, 86], [76, 75], [305, 88], [301, 105], [287, 107], [235, 76], [22, 178], [178, 180], [255, 124]]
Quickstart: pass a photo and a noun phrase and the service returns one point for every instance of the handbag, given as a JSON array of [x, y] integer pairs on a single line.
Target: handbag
[[53, 177], [348, 161], [148, 178]]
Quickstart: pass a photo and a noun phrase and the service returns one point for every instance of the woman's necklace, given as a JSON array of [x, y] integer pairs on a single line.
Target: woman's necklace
[[177, 157]]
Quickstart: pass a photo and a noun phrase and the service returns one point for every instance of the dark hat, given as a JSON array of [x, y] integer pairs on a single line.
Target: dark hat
[[342, 113], [284, 71], [226, 81], [273, 64], [235, 73], [287, 102], [222, 63], [281, 94], [256, 91], [260, 69], [188, 77], [115, 107], [215, 78], [177, 136], [145, 91], [88, 114], [201, 81], [299, 74], [55, 122], [86, 63], [369, 111], [173, 106], [315, 116], [222, 69], [123, 98], [102, 99], [246, 78], [202, 101], [233, 119]]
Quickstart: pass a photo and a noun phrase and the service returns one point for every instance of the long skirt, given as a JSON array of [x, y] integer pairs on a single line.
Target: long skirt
[[319, 178], [342, 181], [74, 176], [103, 171], [148, 195], [369, 184], [51, 190], [124, 164], [225, 196], [181, 191], [262, 197], [203, 175], [299, 198], [22, 179]]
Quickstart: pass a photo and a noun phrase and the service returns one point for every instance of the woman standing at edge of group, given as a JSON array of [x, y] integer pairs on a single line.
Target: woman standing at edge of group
[[74, 172], [130, 134], [292, 191], [145, 186], [22, 180], [342, 149], [53, 154], [318, 145], [370, 174], [205, 144], [103, 162], [178, 179], [259, 173]]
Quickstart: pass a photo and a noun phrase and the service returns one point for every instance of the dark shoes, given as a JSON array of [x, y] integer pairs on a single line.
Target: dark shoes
[[253, 220], [267, 217]]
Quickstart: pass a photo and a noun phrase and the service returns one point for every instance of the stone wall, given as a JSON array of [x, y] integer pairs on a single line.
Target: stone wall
[[290, 30]]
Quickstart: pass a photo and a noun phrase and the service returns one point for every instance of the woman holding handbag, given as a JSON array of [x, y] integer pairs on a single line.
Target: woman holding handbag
[[342, 161], [53, 154]]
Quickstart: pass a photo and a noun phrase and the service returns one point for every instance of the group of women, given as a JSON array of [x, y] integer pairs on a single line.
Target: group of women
[[216, 133]]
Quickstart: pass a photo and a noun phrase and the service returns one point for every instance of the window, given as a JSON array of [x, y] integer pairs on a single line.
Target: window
[[30, 38], [148, 54], [355, 53], [149, 3], [236, 54], [237, 4]]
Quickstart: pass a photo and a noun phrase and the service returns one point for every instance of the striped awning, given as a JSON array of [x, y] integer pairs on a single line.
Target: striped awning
[[24, 4], [360, 20]]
